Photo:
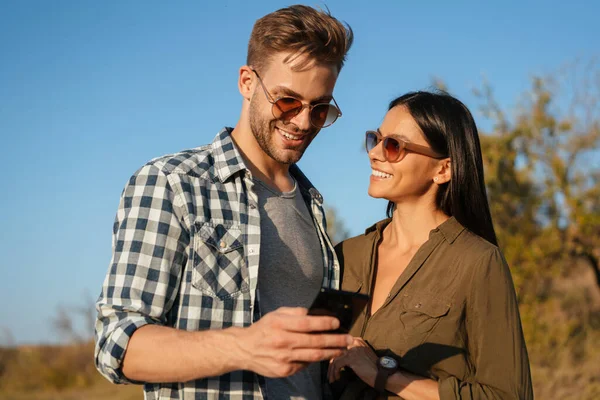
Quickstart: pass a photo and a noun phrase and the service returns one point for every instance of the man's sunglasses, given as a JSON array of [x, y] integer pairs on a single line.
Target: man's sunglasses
[[285, 108], [394, 147]]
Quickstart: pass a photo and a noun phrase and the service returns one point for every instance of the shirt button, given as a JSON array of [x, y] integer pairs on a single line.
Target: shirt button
[[418, 305], [252, 206], [251, 251]]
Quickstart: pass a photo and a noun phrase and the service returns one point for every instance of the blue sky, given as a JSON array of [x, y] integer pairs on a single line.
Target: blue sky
[[89, 91]]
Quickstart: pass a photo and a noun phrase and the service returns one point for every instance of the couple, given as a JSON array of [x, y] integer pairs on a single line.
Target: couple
[[217, 251]]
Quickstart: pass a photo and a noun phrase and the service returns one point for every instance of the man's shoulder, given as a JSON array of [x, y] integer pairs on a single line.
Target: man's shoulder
[[217, 161], [196, 162]]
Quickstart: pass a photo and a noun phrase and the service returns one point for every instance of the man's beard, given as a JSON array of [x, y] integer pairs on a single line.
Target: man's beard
[[264, 131]]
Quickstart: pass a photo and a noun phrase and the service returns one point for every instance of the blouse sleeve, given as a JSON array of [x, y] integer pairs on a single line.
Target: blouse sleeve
[[495, 338]]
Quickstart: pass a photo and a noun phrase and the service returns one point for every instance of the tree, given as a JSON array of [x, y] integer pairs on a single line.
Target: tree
[[335, 226], [543, 188], [75, 324]]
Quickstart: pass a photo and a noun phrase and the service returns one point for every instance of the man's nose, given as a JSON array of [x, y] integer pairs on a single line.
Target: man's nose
[[302, 119]]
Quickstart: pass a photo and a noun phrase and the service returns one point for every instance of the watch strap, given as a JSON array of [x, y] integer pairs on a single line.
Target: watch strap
[[381, 378]]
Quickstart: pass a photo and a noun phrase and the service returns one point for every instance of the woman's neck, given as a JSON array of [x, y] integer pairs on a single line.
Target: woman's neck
[[411, 225]]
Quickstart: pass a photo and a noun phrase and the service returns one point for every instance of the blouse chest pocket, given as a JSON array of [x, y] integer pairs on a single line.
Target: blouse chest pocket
[[419, 316], [218, 261]]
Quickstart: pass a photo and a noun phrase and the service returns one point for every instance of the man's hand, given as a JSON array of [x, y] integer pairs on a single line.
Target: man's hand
[[286, 340]]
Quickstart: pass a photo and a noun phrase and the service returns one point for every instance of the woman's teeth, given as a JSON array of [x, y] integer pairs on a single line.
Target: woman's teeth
[[380, 174]]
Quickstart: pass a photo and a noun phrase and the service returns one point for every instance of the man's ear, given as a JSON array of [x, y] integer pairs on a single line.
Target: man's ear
[[245, 81], [444, 172]]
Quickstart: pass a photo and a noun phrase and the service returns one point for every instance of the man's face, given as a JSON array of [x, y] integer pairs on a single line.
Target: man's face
[[285, 142]]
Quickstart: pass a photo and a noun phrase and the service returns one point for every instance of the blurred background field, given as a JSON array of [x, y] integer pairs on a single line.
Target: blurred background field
[[56, 373], [90, 91]]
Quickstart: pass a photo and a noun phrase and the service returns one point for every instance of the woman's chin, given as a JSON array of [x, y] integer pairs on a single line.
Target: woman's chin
[[377, 194]]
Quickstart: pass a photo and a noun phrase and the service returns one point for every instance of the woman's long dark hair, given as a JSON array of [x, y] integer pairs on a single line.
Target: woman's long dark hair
[[449, 129]]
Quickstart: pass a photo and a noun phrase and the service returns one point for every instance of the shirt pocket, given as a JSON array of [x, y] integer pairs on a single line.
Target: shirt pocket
[[218, 261], [419, 316]]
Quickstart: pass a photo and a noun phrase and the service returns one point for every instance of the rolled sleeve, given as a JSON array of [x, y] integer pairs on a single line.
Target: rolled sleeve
[[496, 344], [149, 251], [112, 342]]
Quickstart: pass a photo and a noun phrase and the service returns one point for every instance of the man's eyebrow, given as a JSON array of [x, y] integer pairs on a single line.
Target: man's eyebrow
[[285, 91]]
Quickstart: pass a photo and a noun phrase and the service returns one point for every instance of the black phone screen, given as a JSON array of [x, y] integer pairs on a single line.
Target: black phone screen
[[345, 306]]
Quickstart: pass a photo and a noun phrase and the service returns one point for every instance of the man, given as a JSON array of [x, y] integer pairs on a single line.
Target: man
[[219, 250]]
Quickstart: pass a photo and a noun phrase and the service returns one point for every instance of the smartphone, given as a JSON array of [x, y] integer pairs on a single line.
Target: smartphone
[[345, 306]]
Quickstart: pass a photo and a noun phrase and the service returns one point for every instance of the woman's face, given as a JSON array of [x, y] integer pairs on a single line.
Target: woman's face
[[411, 178]]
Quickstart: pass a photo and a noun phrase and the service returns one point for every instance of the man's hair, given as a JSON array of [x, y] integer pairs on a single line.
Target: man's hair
[[303, 31]]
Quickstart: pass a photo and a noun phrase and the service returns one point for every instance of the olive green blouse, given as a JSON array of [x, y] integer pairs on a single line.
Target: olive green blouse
[[452, 315]]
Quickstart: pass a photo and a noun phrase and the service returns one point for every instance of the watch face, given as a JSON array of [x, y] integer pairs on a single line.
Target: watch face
[[388, 362]]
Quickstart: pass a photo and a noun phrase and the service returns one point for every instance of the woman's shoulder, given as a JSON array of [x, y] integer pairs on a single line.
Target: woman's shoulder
[[475, 244], [357, 244], [354, 254], [461, 240], [479, 255]]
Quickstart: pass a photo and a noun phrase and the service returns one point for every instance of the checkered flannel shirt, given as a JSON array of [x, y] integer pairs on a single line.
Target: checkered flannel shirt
[[186, 244]]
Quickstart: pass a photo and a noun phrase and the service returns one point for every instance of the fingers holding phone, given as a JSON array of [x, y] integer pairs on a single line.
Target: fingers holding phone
[[284, 341]]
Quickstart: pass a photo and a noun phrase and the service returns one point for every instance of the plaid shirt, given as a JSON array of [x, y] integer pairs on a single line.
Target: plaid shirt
[[186, 250]]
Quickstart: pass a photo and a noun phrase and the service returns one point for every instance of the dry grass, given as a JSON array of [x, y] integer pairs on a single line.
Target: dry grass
[[57, 373], [100, 391], [562, 336]]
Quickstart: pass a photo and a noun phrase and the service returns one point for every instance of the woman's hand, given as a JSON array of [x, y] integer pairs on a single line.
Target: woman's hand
[[360, 357]]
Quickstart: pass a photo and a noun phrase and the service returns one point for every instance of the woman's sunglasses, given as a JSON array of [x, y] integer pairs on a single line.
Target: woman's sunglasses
[[322, 115], [394, 148]]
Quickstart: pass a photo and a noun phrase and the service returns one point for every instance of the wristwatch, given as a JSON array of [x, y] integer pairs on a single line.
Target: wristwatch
[[386, 366]]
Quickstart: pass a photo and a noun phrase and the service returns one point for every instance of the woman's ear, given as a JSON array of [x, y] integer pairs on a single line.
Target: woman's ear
[[443, 173], [245, 81]]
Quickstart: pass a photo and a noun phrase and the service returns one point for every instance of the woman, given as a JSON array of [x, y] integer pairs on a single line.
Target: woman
[[443, 311]]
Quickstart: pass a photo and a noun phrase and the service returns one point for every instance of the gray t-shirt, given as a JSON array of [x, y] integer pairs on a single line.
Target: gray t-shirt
[[290, 274]]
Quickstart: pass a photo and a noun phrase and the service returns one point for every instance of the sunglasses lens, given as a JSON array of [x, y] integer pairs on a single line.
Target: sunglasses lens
[[392, 149], [371, 141], [321, 115], [287, 108], [324, 115]]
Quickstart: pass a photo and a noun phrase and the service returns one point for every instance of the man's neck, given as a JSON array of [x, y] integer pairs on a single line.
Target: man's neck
[[260, 164]]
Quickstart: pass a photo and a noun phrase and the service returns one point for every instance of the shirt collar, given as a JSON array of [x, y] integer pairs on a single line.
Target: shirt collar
[[228, 159], [450, 229], [304, 184], [378, 226]]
